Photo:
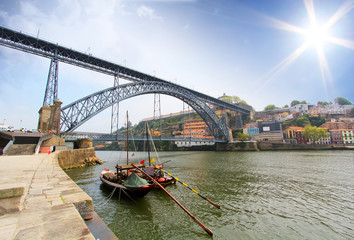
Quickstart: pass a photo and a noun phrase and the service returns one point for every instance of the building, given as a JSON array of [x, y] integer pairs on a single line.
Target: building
[[269, 132], [269, 127], [251, 129], [281, 117], [301, 108], [290, 134], [273, 137], [338, 125], [196, 129], [300, 139], [348, 136], [336, 136]]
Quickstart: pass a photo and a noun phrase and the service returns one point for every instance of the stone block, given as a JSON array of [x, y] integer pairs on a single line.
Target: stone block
[[9, 205], [12, 190]]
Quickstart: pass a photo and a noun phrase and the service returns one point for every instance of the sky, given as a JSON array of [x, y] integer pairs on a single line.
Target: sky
[[265, 52]]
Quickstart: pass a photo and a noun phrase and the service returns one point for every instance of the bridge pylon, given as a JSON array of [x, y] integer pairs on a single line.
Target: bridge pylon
[[51, 91], [115, 108]]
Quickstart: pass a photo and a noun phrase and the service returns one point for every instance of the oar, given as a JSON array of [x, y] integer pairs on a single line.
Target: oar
[[215, 204], [174, 199]]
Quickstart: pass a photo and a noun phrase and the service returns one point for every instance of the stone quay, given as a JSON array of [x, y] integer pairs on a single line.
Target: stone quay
[[39, 201]]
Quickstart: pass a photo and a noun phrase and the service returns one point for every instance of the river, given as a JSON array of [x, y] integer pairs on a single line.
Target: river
[[263, 195]]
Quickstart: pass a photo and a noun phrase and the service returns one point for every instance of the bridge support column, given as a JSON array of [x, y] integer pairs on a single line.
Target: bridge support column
[[51, 91], [115, 109], [49, 118], [83, 143]]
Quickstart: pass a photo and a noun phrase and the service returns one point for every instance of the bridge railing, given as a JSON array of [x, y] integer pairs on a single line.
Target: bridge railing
[[108, 137]]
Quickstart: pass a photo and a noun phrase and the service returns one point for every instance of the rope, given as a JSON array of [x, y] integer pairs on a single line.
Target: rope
[[109, 198], [153, 145]]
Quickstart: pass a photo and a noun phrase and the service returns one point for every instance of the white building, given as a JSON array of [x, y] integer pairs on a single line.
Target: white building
[[301, 108]]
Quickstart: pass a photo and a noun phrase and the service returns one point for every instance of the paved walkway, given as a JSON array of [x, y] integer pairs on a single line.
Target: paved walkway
[[39, 201]]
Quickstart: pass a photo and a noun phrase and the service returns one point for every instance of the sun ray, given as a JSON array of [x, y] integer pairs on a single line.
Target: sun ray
[[324, 67], [283, 65], [310, 8], [316, 35], [341, 12], [275, 23], [342, 42]]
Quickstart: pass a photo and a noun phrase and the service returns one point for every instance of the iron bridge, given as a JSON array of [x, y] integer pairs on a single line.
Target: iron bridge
[[71, 137], [75, 114]]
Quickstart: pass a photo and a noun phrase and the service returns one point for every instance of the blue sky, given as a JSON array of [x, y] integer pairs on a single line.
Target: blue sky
[[252, 49]]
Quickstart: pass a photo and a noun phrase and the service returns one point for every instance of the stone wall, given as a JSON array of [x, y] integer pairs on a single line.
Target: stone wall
[[53, 141], [237, 146], [75, 158], [264, 146]]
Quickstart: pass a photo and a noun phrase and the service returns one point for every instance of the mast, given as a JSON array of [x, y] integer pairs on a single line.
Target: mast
[[147, 141], [127, 140]]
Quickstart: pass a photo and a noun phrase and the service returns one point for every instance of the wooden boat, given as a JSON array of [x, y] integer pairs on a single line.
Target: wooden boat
[[126, 180], [156, 174], [153, 170]]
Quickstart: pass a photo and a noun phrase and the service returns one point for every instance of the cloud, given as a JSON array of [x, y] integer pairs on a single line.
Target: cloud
[[148, 12]]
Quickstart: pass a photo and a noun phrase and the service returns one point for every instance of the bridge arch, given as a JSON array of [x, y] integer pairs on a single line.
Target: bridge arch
[[80, 111]]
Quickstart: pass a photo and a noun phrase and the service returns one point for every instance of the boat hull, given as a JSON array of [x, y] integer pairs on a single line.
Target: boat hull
[[130, 191], [165, 181]]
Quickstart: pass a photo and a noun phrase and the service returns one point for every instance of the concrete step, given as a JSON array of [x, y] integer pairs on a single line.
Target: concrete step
[[20, 149], [11, 197]]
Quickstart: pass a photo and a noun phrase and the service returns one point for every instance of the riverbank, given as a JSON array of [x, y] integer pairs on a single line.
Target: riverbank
[[266, 146], [39, 201]]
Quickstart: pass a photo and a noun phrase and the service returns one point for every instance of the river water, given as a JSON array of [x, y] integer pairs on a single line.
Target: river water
[[263, 195]]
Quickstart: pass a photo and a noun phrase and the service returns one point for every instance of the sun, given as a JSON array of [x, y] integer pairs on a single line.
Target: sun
[[317, 35]]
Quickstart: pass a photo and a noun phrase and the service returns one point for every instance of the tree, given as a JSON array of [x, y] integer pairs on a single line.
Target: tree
[[322, 104], [270, 107], [302, 121], [342, 101], [286, 106], [317, 121], [303, 102], [313, 133], [242, 136], [233, 99], [294, 103]]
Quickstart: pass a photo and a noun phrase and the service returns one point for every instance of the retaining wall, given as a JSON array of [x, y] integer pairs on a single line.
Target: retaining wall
[[78, 158]]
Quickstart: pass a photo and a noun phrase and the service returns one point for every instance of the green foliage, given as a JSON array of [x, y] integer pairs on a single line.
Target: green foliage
[[317, 121], [302, 121], [270, 107], [322, 104], [236, 132], [233, 99], [286, 106], [313, 133], [342, 101], [294, 103], [242, 136]]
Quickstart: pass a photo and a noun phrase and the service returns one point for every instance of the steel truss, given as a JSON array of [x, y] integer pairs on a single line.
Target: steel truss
[[80, 111], [51, 91], [37, 46], [77, 113]]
